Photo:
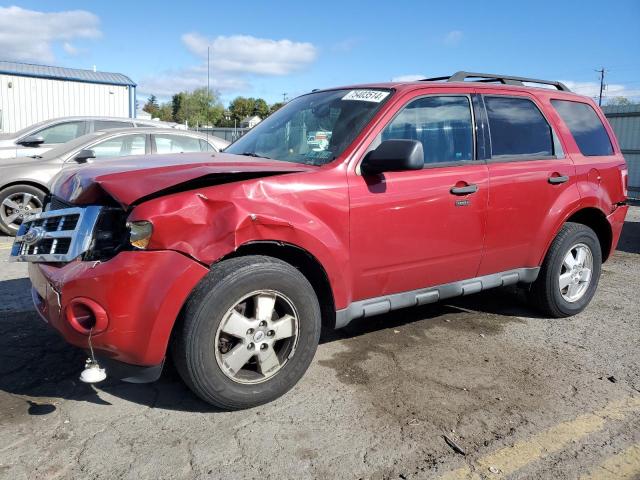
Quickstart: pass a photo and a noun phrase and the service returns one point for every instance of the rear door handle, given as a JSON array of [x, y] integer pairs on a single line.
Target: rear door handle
[[464, 190], [559, 179]]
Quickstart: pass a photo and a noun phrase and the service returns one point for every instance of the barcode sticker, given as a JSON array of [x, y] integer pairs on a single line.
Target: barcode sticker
[[375, 96]]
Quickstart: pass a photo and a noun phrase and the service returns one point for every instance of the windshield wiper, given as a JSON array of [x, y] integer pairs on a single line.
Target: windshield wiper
[[253, 154]]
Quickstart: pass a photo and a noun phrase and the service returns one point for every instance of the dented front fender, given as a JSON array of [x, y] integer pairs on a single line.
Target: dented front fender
[[307, 210]]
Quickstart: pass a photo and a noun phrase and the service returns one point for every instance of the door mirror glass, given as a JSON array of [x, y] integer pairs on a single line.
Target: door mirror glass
[[84, 155], [31, 141], [394, 156]]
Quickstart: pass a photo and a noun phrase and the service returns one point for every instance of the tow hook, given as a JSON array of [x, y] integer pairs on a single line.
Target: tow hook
[[92, 372]]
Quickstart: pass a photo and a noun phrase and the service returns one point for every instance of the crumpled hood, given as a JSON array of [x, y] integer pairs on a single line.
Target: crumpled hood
[[129, 179]]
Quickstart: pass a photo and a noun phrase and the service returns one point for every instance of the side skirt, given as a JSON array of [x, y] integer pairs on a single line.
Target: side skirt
[[386, 303]]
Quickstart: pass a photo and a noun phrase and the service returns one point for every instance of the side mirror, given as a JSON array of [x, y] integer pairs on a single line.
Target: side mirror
[[84, 155], [393, 156], [31, 141]]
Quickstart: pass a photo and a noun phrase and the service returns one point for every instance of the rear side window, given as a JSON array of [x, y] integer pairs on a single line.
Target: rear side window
[[585, 126], [106, 124], [517, 128], [176, 144], [442, 124]]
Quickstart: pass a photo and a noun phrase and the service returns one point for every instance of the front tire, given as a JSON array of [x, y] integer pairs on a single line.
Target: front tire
[[570, 272], [248, 332]]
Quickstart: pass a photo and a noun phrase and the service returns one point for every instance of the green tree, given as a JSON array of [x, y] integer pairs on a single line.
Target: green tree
[[260, 108], [621, 101], [151, 107], [197, 108], [165, 113], [176, 107], [275, 107], [241, 107]]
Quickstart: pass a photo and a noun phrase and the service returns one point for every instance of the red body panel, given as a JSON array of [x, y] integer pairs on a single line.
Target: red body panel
[[372, 237], [142, 293]]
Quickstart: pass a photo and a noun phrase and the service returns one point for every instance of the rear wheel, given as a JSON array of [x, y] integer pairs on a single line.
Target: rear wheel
[[16, 202], [248, 333], [570, 273]]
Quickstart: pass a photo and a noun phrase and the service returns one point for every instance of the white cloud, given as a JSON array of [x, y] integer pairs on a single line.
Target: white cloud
[[29, 35], [70, 49], [453, 38], [247, 54], [592, 89], [408, 78], [234, 60]]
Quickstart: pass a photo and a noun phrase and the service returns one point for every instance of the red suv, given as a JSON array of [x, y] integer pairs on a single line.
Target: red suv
[[346, 203]]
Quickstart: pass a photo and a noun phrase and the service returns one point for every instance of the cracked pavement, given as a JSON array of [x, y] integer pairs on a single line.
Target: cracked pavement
[[485, 370]]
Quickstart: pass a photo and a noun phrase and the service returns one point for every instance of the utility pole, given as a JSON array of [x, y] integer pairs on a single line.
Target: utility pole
[[284, 97], [601, 72]]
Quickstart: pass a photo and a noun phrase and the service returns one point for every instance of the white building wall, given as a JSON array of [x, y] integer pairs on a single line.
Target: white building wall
[[27, 100]]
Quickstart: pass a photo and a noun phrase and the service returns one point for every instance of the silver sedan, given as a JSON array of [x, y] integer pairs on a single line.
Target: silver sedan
[[24, 180]]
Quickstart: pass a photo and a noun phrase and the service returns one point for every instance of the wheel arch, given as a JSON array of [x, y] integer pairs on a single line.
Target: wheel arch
[[30, 183], [305, 262], [596, 220]]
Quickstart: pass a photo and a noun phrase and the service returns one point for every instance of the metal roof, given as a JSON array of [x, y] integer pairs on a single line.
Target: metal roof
[[61, 73]]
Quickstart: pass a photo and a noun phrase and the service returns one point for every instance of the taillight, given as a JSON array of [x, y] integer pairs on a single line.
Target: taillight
[[625, 181]]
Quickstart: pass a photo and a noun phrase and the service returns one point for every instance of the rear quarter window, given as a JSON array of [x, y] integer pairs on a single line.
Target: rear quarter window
[[585, 126]]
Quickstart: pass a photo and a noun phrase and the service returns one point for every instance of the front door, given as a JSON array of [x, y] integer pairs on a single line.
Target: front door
[[415, 229]]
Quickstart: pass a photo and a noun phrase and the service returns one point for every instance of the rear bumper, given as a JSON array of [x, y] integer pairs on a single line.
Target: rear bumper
[[139, 293], [616, 220]]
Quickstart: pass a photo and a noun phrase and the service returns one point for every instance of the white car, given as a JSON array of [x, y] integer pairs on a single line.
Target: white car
[[40, 137]]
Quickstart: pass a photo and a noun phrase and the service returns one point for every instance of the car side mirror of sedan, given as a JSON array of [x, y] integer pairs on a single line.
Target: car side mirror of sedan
[[84, 155], [31, 141], [393, 156]]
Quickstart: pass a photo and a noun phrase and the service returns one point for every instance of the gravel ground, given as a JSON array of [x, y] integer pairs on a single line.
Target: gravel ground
[[519, 396]]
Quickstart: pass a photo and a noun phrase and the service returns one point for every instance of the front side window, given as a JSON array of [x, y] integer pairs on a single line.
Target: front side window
[[313, 129], [585, 126], [517, 128], [443, 125], [121, 146], [62, 132], [176, 144]]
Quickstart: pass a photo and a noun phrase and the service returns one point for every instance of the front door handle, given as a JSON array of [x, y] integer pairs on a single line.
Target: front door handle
[[464, 190], [555, 180]]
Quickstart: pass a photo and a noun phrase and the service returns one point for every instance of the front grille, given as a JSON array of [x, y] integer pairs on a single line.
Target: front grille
[[55, 235], [55, 203]]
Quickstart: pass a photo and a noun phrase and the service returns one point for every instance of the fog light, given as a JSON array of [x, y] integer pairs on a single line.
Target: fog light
[[84, 315], [140, 233]]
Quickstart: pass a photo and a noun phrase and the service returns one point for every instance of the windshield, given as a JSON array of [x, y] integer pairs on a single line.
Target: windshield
[[313, 129]]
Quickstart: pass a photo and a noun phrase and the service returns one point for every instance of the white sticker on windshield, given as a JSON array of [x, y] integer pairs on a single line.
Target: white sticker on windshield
[[375, 96]]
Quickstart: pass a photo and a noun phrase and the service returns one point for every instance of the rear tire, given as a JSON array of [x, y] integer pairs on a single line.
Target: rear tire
[[570, 272], [248, 332], [17, 201]]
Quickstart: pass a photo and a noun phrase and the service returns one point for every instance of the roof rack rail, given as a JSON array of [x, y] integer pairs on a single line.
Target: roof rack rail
[[490, 77]]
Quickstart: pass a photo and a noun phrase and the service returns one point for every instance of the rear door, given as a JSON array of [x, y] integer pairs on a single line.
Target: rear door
[[414, 229], [528, 175]]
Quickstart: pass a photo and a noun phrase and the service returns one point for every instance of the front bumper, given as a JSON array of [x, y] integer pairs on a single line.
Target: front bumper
[[140, 292]]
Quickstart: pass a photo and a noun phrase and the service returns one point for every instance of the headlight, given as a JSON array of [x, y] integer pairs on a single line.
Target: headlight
[[140, 233]]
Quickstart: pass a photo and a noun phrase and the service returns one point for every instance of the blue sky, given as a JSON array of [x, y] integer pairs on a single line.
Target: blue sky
[[267, 48]]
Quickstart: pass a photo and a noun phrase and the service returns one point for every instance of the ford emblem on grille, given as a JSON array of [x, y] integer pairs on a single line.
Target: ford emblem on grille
[[33, 235]]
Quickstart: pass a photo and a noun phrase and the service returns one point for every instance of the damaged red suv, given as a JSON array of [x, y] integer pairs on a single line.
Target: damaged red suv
[[346, 203]]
